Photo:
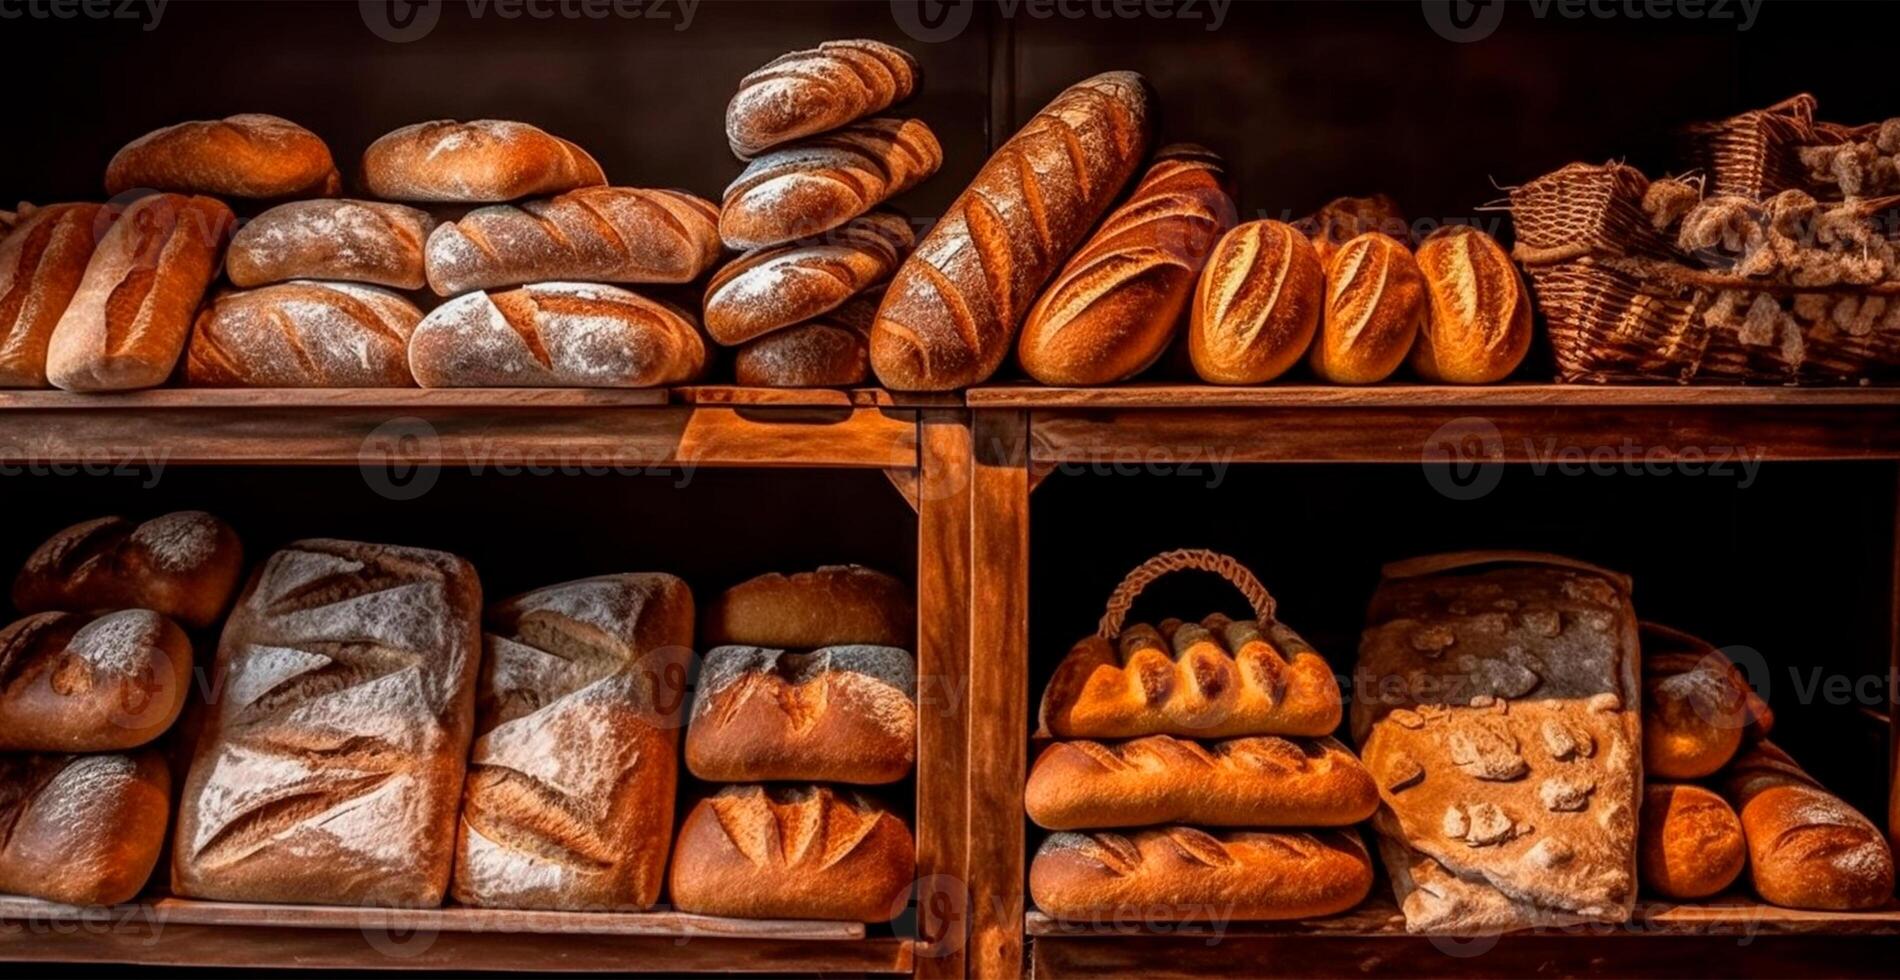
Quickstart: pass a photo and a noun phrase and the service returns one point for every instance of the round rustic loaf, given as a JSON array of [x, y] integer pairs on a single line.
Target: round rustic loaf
[[1480, 324], [183, 565], [1257, 306], [72, 685], [837, 604], [251, 156], [1375, 304], [82, 829], [303, 335], [1692, 844], [486, 160], [840, 714]]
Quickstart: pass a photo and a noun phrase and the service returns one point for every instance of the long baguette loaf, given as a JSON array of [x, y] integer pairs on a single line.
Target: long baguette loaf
[[252, 156], [183, 565], [815, 185], [1114, 308], [353, 241], [1262, 781], [303, 335], [82, 829], [555, 334], [842, 714], [830, 352], [1807, 848], [772, 288], [951, 313], [1180, 874], [816, 90], [595, 234], [42, 261], [485, 160], [72, 685]]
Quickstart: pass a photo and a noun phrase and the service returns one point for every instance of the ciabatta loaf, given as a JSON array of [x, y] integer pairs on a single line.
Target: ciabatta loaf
[[42, 261], [595, 234], [810, 187], [773, 288], [486, 160], [69, 684], [183, 565], [251, 155], [556, 334], [303, 335], [82, 829], [816, 90], [1180, 874], [350, 241], [842, 714]]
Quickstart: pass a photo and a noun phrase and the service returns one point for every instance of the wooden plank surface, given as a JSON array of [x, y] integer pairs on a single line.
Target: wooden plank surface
[[812, 397], [1421, 395]]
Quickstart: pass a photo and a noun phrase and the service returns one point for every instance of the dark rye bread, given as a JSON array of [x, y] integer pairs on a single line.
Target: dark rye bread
[[594, 234], [812, 186], [816, 90]]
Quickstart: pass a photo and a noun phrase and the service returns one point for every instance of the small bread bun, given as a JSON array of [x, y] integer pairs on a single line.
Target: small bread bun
[[1257, 306], [1375, 305], [1480, 325]]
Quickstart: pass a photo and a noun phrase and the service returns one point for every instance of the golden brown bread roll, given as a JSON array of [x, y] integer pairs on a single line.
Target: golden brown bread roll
[[839, 714], [1691, 841], [485, 160], [129, 320], [771, 288], [830, 352], [303, 335], [837, 604], [951, 313], [556, 334], [792, 852], [1345, 218], [252, 156], [1262, 781], [1257, 305], [1480, 324], [1695, 709], [72, 685], [42, 260], [352, 241], [1807, 849], [594, 234], [183, 565], [1375, 304], [1112, 310], [1180, 874], [815, 90], [82, 829], [815, 185]]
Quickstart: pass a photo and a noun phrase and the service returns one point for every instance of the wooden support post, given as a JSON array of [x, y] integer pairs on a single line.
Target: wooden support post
[[943, 669]]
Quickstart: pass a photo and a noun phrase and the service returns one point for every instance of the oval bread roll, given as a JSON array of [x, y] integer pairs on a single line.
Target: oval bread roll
[[1692, 844], [1480, 324], [303, 335], [42, 261], [1257, 306], [486, 160], [835, 605], [595, 234], [251, 156], [1375, 304], [555, 334], [815, 185], [772, 288], [817, 90], [1695, 710], [1807, 848], [183, 565], [1180, 874], [82, 829], [831, 352], [72, 685], [351, 241]]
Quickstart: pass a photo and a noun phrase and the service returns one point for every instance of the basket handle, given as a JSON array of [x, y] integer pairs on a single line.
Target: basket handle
[[1179, 560]]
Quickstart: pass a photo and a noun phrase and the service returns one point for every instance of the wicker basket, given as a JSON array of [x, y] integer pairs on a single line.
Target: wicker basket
[[1755, 154]]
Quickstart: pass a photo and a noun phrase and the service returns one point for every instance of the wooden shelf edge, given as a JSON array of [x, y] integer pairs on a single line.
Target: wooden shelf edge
[[1180, 396], [318, 398]]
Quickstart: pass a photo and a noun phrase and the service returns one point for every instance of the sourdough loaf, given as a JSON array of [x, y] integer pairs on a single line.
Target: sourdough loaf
[[82, 829], [1692, 844], [594, 234], [833, 606], [569, 797], [810, 187], [486, 160], [353, 241], [251, 155], [69, 684], [1480, 324], [1807, 848], [556, 334], [303, 335], [183, 565], [1256, 306], [1181, 874], [832, 351], [42, 261], [772, 288], [815, 90], [1375, 303], [840, 714]]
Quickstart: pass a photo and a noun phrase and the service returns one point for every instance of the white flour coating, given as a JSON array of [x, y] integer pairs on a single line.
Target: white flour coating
[[178, 542], [816, 89], [606, 234], [123, 643], [84, 794], [367, 241], [879, 683], [592, 336], [303, 333]]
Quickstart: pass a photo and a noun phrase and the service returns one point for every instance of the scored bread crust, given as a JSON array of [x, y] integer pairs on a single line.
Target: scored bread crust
[[372, 242], [42, 261], [1807, 848], [773, 288], [1480, 324], [594, 234], [815, 90], [812, 186], [303, 335], [1257, 306], [839, 714], [73, 684], [1691, 842], [556, 334], [250, 156], [483, 160], [183, 565], [834, 605], [82, 830], [1183, 874], [1375, 305]]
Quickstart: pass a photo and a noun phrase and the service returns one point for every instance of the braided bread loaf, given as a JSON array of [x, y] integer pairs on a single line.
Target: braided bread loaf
[[815, 185], [815, 90]]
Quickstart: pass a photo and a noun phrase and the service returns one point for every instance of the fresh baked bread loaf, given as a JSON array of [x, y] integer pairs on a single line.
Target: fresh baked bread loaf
[[1112, 310], [251, 155], [352, 241], [128, 321], [1180, 874], [836, 605], [951, 313], [486, 160], [330, 770], [42, 261], [772, 288], [82, 829], [183, 565], [556, 334], [830, 352], [70, 685], [1218, 678], [812, 186], [816, 90], [303, 335], [1375, 303], [1692, 845], [1497, 711], [1694, 712], [1257, 305], [1480, 324], [792, 852], [569, 798], [840, 714], [1807, 849], [595, 234], [1345, 218], [1262, 781]]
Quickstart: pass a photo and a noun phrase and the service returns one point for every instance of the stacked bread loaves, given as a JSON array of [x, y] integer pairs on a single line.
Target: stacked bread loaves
[[1195, 775], [98, 670], [807, 692], [806, 211]]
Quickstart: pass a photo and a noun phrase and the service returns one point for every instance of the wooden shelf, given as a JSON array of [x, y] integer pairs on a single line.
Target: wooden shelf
[[1419, 396]]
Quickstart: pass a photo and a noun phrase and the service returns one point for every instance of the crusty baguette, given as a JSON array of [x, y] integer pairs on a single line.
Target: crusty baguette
[[1257, 305], [840, 714], [1480, 324], [42, 261], [830, 352], [556, 334], [772, 288], [1181, 874], [1807, 848], [183, 565], [594, 234], [815, 185], [69, 684], [82, 829], [816, 90], [951, 313], [1263, 781], [1375, 305], [837, 604], [1691, 842], [251, 156], [353, 241], [1114, 308], [485, 160], [129, 319], [303, 335]]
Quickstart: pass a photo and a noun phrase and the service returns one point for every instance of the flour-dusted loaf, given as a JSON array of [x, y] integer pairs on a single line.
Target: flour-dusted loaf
[[1182, 874], [832, 351], [1807, 848], [73, 684], [251, 156], [1697, 706], [1480, 324], [42, 260], [1497, 711], [840, 714], [1343, 219], [772, 288], [1257, 306], [183, 565], [329, 770], [82, 829], [1260, 781], [485, 160], [810, 187], [559, 335], [569, 797], [833, 606], [1219, 678], [128, 321], [792, 852], [1375, 305], [816, 90], [1114, 308], [1692, 843], [369, 242], [303, 335], [952, 311], [594, 234]]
